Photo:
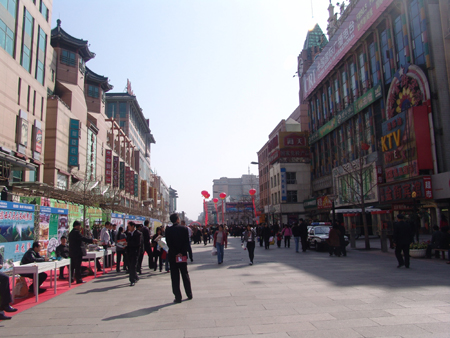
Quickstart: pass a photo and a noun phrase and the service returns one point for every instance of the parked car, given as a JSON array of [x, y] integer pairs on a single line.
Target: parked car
[[318, 236]]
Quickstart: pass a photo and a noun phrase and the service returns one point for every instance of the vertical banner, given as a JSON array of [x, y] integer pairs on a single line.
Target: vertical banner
[[115, 177], [136, 185], [74, 133], [108, 166], [122, 176], [283, 184], [127, 179]]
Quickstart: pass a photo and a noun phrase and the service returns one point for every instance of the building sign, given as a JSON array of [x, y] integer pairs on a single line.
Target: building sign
[[74, 133], [324, 202], [368, 98], [136, 185], [296, 139], [115, 172], [108, 166], [122, 176], [144, 190], [91, 153], [37, 140], [358, 21], [290, 155], [127, 179], [239, 207], [273, 143], [283, 185], [403, 190], [310, 203], [402, 171]]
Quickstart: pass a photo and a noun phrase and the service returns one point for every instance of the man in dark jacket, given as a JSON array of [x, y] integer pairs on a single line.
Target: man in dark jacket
[[403, 236], [33, 256], [5, 294], [177, 237], [133, 250], [77, 250], [303, 234], [296, 234], [341, 229], [62, 251], [146, 247]]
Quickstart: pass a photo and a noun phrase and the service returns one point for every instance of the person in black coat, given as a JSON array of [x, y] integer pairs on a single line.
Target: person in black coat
[[177, 237], [266, 233], [133, 250], [77, 250], [147, 247], [403, 236], [62, 251], [341, 229], [5, 294], [33, 256]]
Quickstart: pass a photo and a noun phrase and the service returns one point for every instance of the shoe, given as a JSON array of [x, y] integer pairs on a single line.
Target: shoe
[[3, 317], [251, 263], [132, 284], [8, 308], [407, 266], [400, 265], [62, 278], [190, 297], [41, 290], [177, 300], [81, 281], [117, 270]]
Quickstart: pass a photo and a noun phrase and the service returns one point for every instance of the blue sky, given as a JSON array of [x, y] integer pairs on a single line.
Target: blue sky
[[213, 76]]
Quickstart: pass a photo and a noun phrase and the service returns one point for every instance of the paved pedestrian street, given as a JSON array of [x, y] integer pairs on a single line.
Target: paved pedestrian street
[[284, 294]]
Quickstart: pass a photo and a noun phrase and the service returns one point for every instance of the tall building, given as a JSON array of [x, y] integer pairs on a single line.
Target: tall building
[[378, 103], [25, 59]]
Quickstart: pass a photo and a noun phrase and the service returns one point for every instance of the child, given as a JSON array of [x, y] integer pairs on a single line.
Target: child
[[279, 238]]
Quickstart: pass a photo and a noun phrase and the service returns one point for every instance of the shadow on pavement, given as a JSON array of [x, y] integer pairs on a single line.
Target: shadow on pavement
[[138, 313], [113, 287]]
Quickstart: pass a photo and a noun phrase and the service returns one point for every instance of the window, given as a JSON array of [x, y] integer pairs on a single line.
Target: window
[[28, 98], [353, 80], [34, 103], [292, 196], [344, 88], [278, 179], [362, 70], [291, 178], [40, 62], [330, 99], [10, 6], [336, 93], [19, 89], [373, 63], [6, 38], [122, 124], [111, 109], [93, 91], [61, 181], [418, 27], [17, 176], [27, 40], [271, 182], [44, 10], [399, 41], [367, 125], [123, 110], [324, 105], [385, 55], [67, 58]]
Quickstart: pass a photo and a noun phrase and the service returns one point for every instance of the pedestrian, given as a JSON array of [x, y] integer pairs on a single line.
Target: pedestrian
[[279, 238], [334, 243], [157, 250], [177, 237], [133, 247], [303, 234], [205, 235], [266, 233], [77, 250], [249, 242], [403, 237], [5, 294], [105, 239], [120, 250], [220, 241], [287, 233], [343, 248], [296, 233]]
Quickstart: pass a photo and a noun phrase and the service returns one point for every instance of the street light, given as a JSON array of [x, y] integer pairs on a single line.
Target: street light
[[257, 163]]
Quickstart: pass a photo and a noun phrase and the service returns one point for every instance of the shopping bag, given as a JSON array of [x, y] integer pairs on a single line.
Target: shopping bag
[[214, 251], [271, 240], [21, 287], [244, 246]]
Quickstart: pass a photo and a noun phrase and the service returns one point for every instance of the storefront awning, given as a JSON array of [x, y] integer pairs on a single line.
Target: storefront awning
[[16, 162], [353, 211]]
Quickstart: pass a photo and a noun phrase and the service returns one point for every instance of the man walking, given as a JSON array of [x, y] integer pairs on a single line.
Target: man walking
[[133, 248], [296, 234], [403, 236], [177, 237], [77, 249], [304, 234], [147, 246]]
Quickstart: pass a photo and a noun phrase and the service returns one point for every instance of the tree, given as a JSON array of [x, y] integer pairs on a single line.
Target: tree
[[355, 180]]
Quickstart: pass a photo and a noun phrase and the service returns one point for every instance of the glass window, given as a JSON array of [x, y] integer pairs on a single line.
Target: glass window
[[93, 91], [111, 109], [324, 105], [291, 178], [26, 58], [40, 63], [373, 64], [17, 175], [330, 99], [367, 126], [385, 54], [122, 124], [27, 38], [336, 93], [344, 88], [399, 41], [362, 70], [40, 72], [44, 10], [123, 109], [349, 138], [418, 27], [10, 5], [292, 196], [319, 118], [353, 80], [67, 58]]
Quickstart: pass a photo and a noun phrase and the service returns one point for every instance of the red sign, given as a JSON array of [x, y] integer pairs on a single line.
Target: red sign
[[127, 179], [273, 143], [402, 171], [324, 203], [297, 139], [108, 166], [115, 171], [404, 190]]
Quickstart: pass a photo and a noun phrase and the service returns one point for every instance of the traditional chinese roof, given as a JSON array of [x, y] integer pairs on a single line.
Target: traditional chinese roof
[[315, 37], [63, 39], [100, 79]]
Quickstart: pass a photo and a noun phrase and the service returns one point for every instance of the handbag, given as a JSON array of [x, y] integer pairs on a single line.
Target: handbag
[[21, 287], [214, 251], [180, 258]]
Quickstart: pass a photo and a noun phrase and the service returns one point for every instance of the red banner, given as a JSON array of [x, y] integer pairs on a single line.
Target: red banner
[[108, 166]]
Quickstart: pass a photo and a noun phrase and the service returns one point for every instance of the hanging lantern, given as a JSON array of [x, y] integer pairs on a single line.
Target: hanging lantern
[[252, 192], [204, 193], [207, 195], [223, 195], [215, 200]]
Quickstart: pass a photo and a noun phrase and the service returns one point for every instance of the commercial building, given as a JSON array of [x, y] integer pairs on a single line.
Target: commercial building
[[378, 104]]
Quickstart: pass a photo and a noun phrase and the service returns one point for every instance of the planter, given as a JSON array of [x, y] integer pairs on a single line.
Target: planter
[[417, 253]]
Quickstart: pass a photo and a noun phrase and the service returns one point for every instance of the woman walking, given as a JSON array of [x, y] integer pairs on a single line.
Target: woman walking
[[157, 250], [220, 240], [249, 242], [287, 233]]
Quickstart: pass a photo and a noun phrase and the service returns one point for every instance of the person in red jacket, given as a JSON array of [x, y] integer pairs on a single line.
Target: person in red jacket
[[220, 241]]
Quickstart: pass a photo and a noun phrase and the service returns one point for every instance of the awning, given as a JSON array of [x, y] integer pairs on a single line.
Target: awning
[[17, 162], [353, 211]]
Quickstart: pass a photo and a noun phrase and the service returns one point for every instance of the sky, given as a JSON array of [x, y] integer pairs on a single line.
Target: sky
[[213, 76]]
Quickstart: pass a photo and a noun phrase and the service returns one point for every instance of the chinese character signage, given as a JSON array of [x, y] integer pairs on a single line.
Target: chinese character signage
[[127, 179], [403, 190], [144, 190], [16, 231], [122, 176], [324, 202], [74, 133], [115, 174], [108, 166], [283, 185], [136, 185]]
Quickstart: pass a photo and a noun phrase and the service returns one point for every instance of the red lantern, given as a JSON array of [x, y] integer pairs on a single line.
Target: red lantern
[[207, 196], [252, 192], [223, 195], [215, 200], [204, 193]]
